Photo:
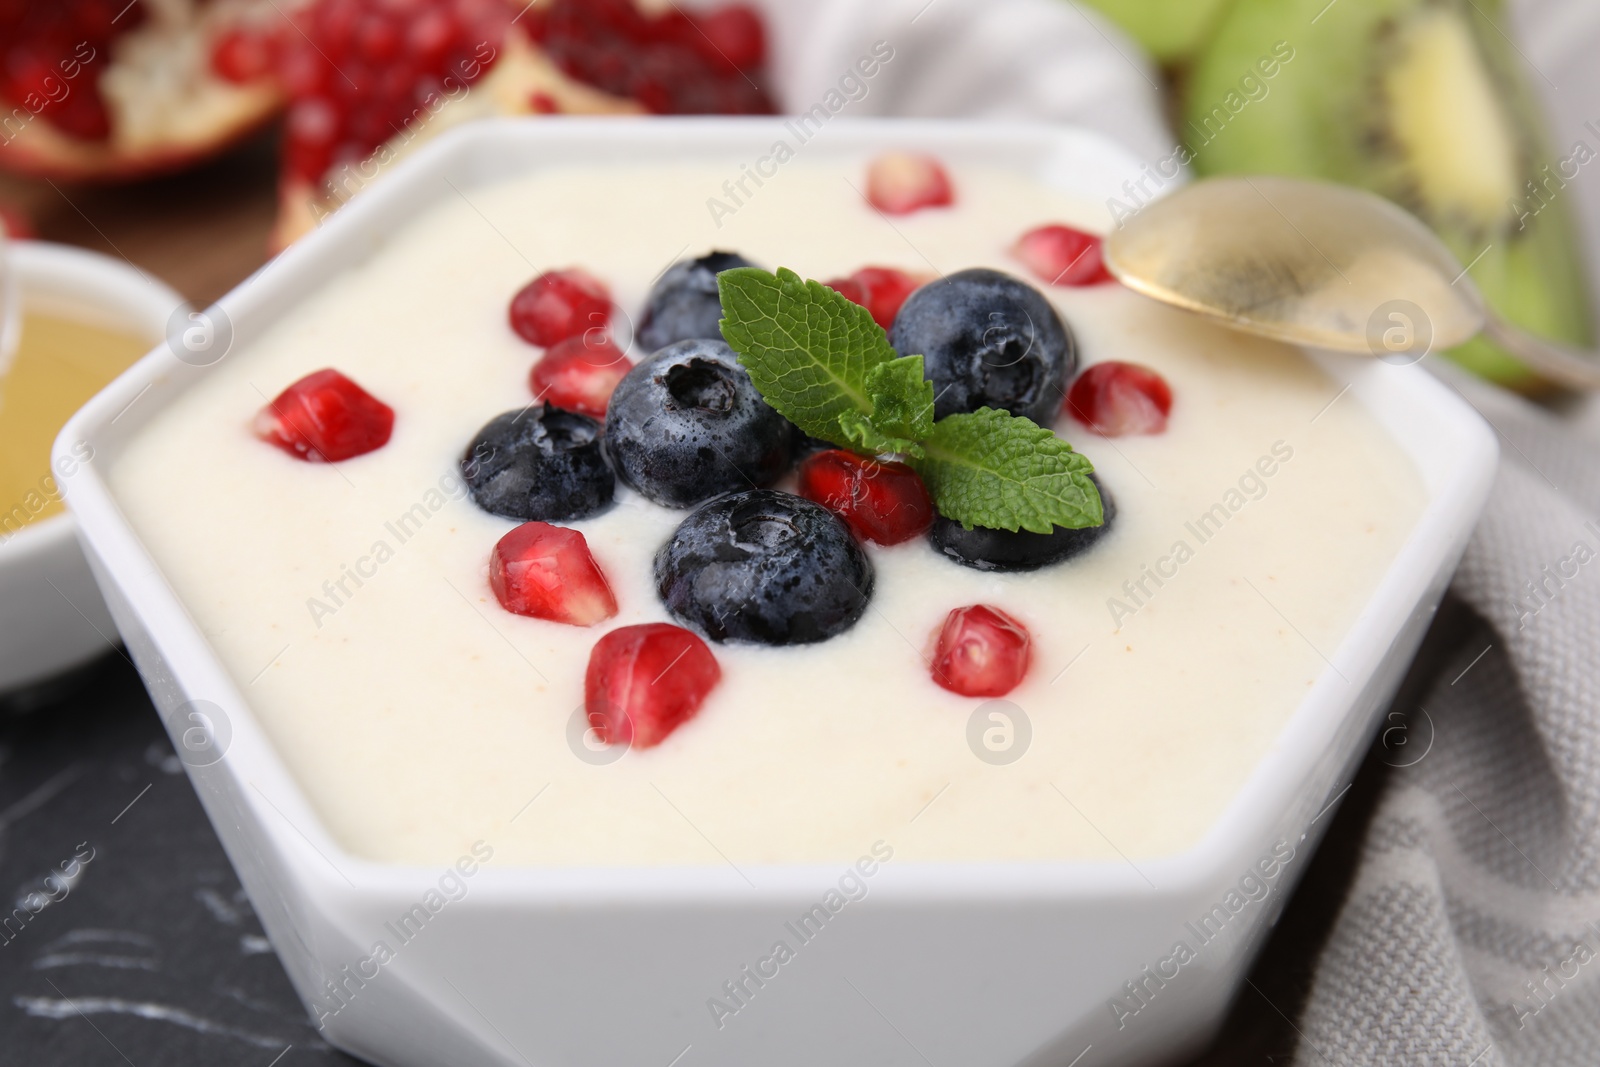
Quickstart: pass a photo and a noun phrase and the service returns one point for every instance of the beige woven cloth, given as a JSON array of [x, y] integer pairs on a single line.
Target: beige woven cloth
[[1471, 934]]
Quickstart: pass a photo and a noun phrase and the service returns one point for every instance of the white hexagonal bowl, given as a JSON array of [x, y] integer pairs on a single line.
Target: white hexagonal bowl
[[984, 963]]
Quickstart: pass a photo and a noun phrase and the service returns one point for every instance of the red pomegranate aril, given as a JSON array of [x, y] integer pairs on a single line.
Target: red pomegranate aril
[[881, 290], [325, 417], [849, 288], [559, 305], [880, 501], [735, 35], [244, 54], [1062, 255], [981, 652], [1115, 398], [645, 681], [899, 183], [379, 39], [547, 572], [579, 374]]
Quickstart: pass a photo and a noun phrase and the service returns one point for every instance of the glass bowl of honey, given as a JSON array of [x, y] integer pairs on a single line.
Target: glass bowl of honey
[[71, 321]]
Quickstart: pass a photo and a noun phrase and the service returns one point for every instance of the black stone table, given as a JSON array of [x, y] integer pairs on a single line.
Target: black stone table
[[124, 936]]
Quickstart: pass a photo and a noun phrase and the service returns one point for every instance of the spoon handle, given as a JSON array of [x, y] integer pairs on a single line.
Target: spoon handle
[[1572, 367]]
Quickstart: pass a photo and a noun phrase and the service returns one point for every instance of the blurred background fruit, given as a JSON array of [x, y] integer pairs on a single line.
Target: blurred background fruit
[[108, 90], [1172, 31]]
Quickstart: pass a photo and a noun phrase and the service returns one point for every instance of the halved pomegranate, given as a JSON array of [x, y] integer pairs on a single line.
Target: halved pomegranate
[[324, 418], [580, 374], [107, 89], [1115, 398], [1062, 255], [418, 67], [645, 681], [879, 501], [547, 572], [899, 183], [981, 652]]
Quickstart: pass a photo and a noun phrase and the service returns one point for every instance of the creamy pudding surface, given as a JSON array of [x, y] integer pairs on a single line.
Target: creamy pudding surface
[[351, 602]]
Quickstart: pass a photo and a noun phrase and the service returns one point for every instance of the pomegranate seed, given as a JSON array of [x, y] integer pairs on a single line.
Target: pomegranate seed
[[325, 417], [735, 35], [1115, 398], [981, 652], [899, 183], [881, 290], [850, 289], [432, 35], [547, 572], [880, 501], [1061, 255], [579, 374], [243, 55], [559, 305], [645, 681]]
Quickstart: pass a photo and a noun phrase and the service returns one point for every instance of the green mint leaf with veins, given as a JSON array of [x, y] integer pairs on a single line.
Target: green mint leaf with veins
[[990, 468], [902, 399], [867, 437], [807, 348]]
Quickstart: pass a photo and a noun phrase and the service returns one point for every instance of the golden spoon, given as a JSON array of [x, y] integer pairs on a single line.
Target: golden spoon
[[1321, 265]]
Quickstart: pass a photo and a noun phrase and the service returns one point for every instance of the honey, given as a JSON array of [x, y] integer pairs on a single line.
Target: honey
[[59, 364]]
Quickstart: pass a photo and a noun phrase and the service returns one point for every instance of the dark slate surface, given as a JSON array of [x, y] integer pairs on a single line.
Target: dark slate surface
[[151, 955]]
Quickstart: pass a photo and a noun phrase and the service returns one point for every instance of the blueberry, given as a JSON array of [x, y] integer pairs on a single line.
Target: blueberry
[[687, 424], [1005, 550], [987, 340], [684, 304], [765, 567], [539, 463]]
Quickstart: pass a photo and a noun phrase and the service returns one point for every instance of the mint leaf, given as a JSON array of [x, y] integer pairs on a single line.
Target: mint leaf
[[990, 468], [902, 399], [866, 437], [808, 349]]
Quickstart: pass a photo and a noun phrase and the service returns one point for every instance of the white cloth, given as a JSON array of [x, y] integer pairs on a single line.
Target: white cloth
[[1018, 59]]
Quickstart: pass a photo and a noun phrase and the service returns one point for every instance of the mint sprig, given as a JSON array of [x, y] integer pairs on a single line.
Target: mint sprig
[[1008, 470], [825, 365]]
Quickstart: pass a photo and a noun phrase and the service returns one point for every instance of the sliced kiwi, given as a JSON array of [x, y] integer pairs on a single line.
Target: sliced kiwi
[[1170, 30], [1424, 102]]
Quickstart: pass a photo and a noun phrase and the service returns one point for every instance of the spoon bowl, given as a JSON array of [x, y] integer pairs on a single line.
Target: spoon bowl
[[1321, 265]]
